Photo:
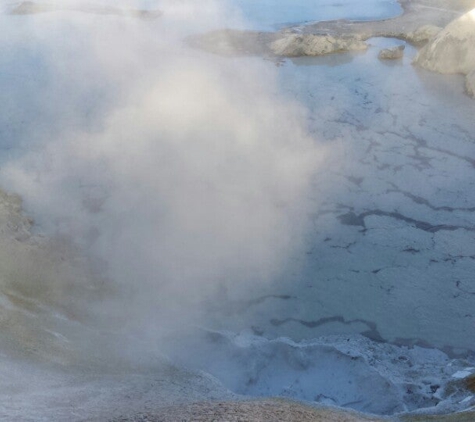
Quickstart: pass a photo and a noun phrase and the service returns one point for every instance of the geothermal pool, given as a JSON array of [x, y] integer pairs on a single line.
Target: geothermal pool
[[274, 224]]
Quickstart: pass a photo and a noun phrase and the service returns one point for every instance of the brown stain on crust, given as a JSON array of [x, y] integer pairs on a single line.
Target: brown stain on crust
[[470, 383]]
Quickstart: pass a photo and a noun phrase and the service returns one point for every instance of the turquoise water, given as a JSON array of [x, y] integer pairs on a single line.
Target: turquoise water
[[274, 14], [268, 14]]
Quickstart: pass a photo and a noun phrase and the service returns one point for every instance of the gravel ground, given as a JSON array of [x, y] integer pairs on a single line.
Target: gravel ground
[[260, 410]]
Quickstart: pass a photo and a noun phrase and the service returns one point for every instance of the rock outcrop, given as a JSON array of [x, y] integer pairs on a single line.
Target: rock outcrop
[[452, 50], [392, 53], [423, 34], [294, 45]]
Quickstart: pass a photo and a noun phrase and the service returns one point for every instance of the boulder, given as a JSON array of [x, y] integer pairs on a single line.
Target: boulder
[[452, 50], [392, 53], [294, 45]]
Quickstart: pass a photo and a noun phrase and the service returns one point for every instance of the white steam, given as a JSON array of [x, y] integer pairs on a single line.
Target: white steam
[[181, 171]]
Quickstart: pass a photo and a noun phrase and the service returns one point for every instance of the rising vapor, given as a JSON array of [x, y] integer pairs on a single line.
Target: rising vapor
[[182, 173]]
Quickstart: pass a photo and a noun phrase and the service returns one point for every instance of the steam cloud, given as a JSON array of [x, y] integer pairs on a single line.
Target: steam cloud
[[181, 171]]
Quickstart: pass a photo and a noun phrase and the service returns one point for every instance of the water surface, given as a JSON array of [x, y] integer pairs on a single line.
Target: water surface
[[268, 14]]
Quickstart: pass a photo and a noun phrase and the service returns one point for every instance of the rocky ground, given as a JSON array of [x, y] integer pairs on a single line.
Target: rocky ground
[[278, 410], [249, 411]]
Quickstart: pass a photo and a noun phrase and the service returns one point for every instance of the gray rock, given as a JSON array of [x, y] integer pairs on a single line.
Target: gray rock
[[423, 34], [392, 53], [294, 45], [452, 50]]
